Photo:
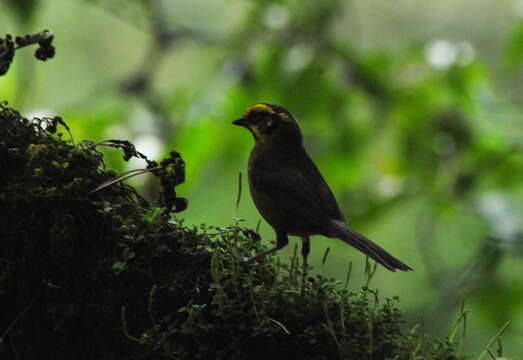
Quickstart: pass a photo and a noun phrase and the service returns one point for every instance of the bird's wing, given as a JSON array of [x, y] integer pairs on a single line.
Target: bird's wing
[[324, 194], [298, 191]]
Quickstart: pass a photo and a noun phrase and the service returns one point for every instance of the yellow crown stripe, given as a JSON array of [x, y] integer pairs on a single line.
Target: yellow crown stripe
[[267, 109], [260, 107]]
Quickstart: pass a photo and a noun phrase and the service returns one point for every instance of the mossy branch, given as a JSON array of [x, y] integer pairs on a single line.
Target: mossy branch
[[8, 46]]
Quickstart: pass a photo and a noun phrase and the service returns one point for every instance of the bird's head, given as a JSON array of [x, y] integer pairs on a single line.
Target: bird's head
[[270, 123]]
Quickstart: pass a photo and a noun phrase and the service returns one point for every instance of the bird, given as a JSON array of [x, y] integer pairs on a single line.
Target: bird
[[289, 191]]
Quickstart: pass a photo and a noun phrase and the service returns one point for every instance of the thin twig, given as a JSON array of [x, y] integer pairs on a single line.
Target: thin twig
[[498, 334], [125, 175], [238, 198], [18, 317], [325, 256], [280, 325]]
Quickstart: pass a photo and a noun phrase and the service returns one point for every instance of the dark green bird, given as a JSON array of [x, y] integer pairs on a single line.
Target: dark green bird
[[290, 192]]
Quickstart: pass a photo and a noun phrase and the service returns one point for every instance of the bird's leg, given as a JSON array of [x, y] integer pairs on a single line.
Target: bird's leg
[[305, 249], [281, 241]]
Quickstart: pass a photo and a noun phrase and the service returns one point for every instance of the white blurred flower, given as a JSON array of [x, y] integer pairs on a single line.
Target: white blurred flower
[[276, 17], [298, 57], [503, 217], [149, 145], [441, 54], [389, 186]]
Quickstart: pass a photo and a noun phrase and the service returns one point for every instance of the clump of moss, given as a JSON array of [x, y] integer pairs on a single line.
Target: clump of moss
[[106, 275], [8, 46]]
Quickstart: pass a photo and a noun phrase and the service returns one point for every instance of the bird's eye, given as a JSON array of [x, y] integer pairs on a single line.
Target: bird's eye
[[256, 117]]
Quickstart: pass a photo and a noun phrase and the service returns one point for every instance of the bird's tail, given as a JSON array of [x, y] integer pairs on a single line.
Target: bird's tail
[[360, 242]]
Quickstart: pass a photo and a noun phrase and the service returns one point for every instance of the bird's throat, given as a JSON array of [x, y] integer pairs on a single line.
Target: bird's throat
[[259, 137]]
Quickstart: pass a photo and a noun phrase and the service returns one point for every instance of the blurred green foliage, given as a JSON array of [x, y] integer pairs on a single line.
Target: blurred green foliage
[[417, 127]]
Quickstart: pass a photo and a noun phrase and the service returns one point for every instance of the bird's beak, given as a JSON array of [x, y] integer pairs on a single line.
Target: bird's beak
[[241, 122]]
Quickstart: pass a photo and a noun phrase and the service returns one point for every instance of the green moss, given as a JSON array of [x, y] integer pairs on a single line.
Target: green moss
[[105, 275]]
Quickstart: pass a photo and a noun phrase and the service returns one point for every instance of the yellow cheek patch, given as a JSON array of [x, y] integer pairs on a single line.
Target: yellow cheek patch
[[257, 133]]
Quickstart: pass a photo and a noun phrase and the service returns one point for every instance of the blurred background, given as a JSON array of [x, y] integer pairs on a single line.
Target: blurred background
[[412, 110]]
